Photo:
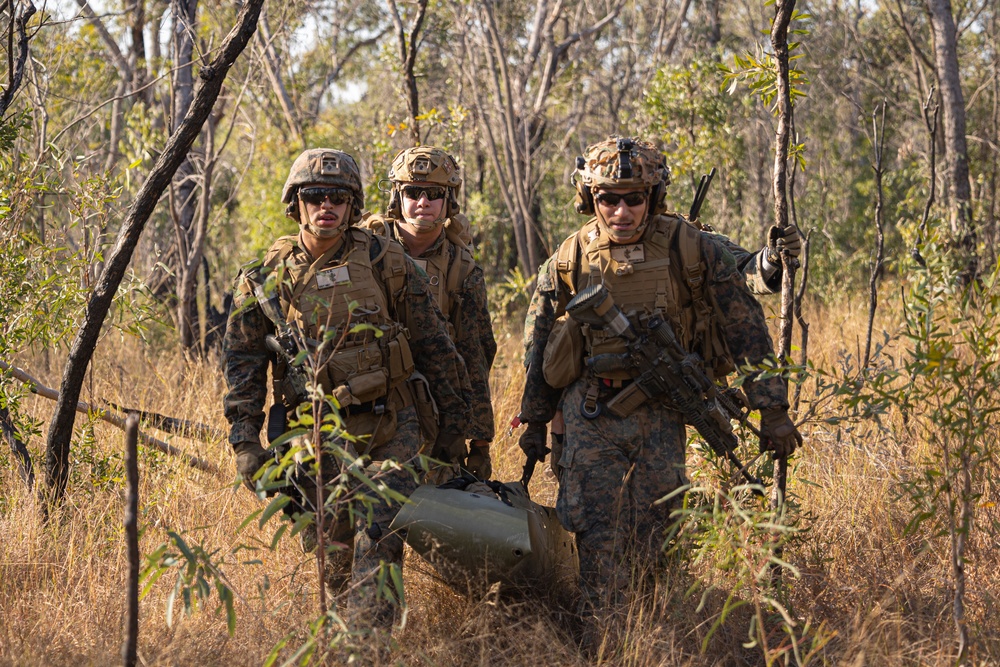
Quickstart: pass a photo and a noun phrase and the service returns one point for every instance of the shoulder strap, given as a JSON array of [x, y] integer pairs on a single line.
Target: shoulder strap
[[377, 223], [459, 268], [568, 260]]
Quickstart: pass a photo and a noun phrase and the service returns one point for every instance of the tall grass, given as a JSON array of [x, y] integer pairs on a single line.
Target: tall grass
[[869, 591]]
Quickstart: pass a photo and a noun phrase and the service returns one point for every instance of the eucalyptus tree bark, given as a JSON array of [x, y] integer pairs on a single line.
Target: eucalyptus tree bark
[[878, 144], [779, 42], [193, 249], [131, 643], [15, 66], [956, 149], [212, 77], [407, 42], [183, 189]]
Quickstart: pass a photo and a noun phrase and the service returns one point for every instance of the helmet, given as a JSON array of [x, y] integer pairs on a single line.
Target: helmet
[[324, 166], [424, 164], [621, 162]]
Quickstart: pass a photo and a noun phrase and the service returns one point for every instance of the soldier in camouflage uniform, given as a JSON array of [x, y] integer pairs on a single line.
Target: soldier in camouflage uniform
[[613, 470], [318, 275], [423, 215]]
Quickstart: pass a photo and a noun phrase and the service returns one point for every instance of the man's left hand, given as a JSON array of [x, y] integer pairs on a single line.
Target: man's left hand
[[788, 239], [778, 433], [478, 461]]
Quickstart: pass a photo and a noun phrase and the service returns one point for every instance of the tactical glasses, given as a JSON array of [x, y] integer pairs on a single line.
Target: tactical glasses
[[612, 199], [432, 192], [315, 196]]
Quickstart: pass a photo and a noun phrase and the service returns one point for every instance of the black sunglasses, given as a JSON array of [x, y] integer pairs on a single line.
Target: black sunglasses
[[612, 198], [315, 196], [432, 192]]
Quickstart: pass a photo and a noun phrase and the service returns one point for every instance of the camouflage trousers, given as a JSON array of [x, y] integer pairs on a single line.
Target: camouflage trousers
[[359, 543], [613, 472]]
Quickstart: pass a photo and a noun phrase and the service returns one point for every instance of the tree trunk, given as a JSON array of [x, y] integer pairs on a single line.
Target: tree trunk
[[82, 349], [956, 149], [779, 42]]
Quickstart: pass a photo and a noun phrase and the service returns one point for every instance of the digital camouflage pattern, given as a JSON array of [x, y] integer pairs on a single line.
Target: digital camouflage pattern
[[394, 434], [246, 357], [612, 469], [470, 319], [749, 264]]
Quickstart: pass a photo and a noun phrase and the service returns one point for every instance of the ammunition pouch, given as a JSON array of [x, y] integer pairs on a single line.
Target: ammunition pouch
[[627, 401], [426, 407], [277, 422], [562, 361]]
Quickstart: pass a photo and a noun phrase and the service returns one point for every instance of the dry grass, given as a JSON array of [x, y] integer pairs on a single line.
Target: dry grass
[[883, 597]]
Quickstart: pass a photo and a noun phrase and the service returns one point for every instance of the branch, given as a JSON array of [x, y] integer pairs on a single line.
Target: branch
[[116, 54], [110, 417], [174, 153], [16, 72]]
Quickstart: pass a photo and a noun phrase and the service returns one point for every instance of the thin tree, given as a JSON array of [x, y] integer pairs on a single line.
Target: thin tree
[[15, 65], [407, 40], [130, 646], [955, 146], [779, 42], [212, 77], [878, 145]]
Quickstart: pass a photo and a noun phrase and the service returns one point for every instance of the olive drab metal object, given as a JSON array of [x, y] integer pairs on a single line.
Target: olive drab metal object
[[487, 533], [324, 166], [424, 164]]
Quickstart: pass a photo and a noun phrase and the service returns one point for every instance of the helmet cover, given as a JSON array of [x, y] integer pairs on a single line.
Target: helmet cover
[[424, 164], [324, 166]]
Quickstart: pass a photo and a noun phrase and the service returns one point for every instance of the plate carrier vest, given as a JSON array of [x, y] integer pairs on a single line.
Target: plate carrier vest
[[664, 271], [316, 301]]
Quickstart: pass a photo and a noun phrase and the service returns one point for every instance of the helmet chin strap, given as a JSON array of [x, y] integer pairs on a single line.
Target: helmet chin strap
[[423, 225], [324, 233]]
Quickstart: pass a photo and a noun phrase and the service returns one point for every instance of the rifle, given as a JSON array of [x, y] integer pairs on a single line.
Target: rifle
[[285, 344], [661, 368], [700, 194]]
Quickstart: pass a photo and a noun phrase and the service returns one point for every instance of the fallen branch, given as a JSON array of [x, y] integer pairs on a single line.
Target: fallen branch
[[181, 427], [104, 414]]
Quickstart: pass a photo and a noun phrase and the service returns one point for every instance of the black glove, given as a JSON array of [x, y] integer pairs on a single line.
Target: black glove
[[478, 461], [250, 456], [788, 239], [449, 446], [778, 433], [533, 440]]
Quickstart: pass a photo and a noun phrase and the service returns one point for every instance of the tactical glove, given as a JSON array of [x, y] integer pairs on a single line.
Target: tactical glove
[[533, 439], [788, 239], [778, 433], [478, 461], [449, 446], [250, 456]]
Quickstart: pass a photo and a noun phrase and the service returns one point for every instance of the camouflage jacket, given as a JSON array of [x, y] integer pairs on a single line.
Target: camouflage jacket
[[744, 330], [246, 357], [749, 264], [470, 319]]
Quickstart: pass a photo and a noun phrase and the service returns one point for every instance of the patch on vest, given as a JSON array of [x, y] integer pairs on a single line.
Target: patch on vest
[[628, 254], [334, 277], [422, 263]]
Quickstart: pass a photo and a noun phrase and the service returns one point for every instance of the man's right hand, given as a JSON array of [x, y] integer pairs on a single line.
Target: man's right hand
[[533, 440], [250, 456]]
